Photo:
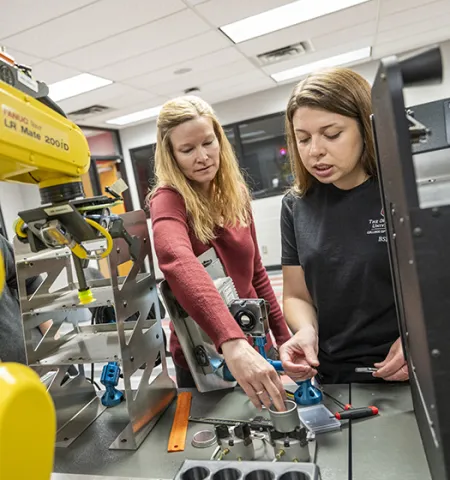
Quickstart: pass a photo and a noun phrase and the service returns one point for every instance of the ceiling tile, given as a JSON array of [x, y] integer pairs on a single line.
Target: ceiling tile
[[335, 22], [98, 96], [90, 24], [195, 2], [222, 95], [388, 7], [130, 98], [347, 36], [50, 72], [142, 105], [197, 65], [431, 24], [356, 44], [206, 76], [411, 42], [163, 57], [413, 15], [20, 15], [242, 80], [220, 13], [160, 33]]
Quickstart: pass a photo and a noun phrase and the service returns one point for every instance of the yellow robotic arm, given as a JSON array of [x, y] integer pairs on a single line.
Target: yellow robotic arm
[[38, 145]]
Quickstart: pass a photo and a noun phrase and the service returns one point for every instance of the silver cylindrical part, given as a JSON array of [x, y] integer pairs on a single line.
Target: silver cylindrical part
[[286, 421]]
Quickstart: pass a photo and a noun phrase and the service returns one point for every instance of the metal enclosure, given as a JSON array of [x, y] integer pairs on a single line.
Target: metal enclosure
[[134, 344], [418, 241], [204, 362]]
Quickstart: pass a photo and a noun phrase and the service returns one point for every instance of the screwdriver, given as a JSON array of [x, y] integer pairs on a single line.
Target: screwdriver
[[354, 413]]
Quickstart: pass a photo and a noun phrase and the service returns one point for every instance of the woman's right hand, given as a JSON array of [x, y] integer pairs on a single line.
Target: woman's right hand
[[299, 354], [254, 374]]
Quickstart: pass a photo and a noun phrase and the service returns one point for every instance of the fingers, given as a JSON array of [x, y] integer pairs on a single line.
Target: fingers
[[311, 356], [401, 375], [269, 391], [302, 377], [276, 391], [295, 368], [252, 394], [380, 364], [391, 367]]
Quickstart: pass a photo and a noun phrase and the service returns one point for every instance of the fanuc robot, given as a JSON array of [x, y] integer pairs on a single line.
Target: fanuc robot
[[60, 239]]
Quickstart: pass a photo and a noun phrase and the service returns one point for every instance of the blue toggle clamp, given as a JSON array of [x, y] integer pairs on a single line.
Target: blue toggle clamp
[[110, 379]]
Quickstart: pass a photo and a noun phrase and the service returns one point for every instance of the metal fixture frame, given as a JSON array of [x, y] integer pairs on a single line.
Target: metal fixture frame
[[135, 344]]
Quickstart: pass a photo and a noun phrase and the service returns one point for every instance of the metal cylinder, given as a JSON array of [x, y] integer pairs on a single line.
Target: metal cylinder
[[286, 421]]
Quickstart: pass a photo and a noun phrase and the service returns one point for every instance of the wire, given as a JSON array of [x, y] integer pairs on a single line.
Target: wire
[[94, 383], [80, 252], [335, 400]]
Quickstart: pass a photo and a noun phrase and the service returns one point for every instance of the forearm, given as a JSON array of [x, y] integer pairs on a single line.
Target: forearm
[[299, 314]]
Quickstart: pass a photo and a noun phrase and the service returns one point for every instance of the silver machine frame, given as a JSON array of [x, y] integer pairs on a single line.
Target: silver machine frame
[[135, 344], [195, 343]]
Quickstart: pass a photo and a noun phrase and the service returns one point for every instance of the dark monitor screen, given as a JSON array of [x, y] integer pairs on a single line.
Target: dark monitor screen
[[419, 248]]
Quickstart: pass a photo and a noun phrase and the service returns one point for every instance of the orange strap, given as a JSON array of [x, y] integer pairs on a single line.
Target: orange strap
[[177, 438]]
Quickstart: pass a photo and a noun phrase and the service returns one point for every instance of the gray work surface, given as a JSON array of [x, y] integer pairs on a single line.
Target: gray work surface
[[382, 448]]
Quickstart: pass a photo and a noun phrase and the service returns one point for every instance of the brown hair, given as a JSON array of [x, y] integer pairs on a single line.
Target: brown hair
[[337, 90], [230, 202]]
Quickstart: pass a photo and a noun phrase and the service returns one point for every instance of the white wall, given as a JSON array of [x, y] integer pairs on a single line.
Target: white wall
[[15, 197], [267, 211]]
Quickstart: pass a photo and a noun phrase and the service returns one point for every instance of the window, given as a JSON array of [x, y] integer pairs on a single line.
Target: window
[[143, 159], [259, 145], [263, 155]]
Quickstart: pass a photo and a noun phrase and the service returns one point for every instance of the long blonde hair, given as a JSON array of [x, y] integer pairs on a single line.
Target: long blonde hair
[[229, 204], [337, 90]]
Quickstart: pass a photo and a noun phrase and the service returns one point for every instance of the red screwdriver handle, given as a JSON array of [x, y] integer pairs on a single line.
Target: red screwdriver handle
[[355, 413]]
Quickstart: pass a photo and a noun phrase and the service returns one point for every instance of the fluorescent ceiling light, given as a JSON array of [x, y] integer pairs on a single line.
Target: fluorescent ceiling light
[[70, 87], [283, 17], [136, 116], [338, 60]]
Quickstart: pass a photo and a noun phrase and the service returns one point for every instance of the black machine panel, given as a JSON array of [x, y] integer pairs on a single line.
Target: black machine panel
[[419, 246]]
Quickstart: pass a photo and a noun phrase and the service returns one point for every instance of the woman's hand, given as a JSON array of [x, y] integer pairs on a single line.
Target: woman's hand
[[394, 368], [254, 374], [299, 354]]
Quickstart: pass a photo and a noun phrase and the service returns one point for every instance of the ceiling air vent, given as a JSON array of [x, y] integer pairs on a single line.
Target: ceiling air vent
[[284, 53], [83, 113]]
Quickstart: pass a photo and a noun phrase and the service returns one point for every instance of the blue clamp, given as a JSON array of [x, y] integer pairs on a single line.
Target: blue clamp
[[110, 379], [307, 393]]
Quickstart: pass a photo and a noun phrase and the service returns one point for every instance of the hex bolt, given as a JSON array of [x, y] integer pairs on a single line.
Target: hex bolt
[[435, 353], [417, 232]]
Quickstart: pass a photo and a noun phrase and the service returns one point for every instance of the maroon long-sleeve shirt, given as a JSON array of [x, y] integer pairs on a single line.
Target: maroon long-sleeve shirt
[[177, 249]]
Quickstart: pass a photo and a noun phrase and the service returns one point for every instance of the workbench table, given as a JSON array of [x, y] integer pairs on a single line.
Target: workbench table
[[386, 447]]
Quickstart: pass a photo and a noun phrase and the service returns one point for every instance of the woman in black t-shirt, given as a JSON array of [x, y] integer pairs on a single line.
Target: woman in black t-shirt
[[338, 295]]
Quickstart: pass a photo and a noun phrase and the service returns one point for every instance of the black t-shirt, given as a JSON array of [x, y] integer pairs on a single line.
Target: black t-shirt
[[339, 239]]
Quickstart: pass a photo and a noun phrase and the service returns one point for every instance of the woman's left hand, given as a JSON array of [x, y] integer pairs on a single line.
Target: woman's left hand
[[394, 368]]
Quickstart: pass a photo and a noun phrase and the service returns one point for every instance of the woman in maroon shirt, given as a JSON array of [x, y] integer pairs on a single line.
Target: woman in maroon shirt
[[201, 201]]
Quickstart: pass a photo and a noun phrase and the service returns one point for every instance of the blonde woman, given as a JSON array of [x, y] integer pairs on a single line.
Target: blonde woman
[[201, 201], [337, 286]]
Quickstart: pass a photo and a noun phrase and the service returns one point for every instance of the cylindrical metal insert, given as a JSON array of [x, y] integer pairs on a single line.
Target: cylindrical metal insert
[[195, 473], [227, 474], [286, 421], [260, 475], [295, 476], [204, 439]]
